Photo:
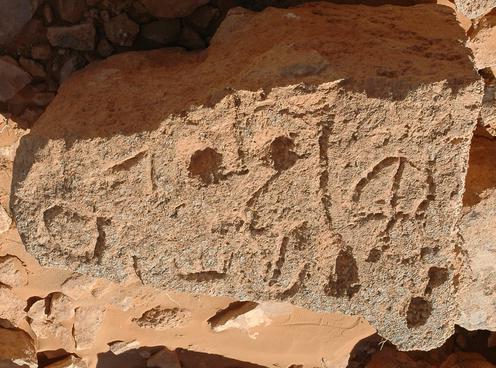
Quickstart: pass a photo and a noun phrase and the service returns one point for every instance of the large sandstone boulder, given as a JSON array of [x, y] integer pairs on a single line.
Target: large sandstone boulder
[[314, 155]]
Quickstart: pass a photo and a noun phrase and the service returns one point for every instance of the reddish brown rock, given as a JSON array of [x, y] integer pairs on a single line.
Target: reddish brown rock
[[162, 32], [32, 67], [298, 165], [41, 52], [70, 10], [121, 30], [12, 80], [466, 360], [15, 15], [79, 37]]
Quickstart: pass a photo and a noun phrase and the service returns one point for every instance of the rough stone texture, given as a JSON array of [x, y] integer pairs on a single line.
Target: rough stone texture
[[209, 325], [14, 14], [172, 8], [12, 80], [482, 42], [475, 8], [289, 169], [79, 37]]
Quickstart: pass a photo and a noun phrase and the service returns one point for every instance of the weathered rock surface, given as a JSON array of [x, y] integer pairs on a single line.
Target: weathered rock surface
[[304, 166], [209, 325], [475, 8], [482, 42]]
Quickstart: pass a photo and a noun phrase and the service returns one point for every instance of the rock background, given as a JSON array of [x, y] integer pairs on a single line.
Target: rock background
[[25, 90], [290, 154]]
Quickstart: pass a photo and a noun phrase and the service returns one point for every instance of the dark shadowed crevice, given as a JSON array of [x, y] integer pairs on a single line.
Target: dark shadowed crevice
[[160, 356], [232, 311], [481, 174], [477, 347]]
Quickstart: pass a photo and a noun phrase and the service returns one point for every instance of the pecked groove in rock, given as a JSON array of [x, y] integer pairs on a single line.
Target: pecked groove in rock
[[314, 155]]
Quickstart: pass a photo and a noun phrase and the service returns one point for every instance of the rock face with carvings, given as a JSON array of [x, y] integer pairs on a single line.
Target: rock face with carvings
[[276, 165], [48, 313]]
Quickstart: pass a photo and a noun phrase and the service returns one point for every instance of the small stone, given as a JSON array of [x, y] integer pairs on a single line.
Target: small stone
[[12, 272], [203, 16], [80, 37], [61, 307], [162, 31], [163, 359], [172, 8], [491, 341], [104, 16], [104, 48], [12, 80], [70, 66], [17, 349], [15, 15], [116, 7], [30, 115], [121, 30], [5, 220], [119, 347], [43, 98], [41, 52], [52, 85], [92, 15], [32, 67], [190, 39], [87, 322], [11, 307], [70, 10], [47, 14], [139, 13]]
